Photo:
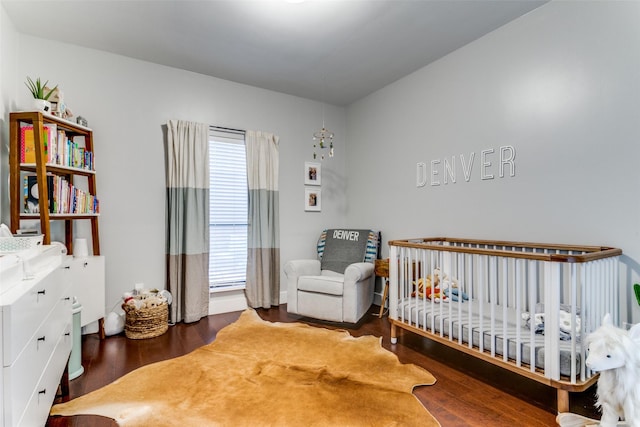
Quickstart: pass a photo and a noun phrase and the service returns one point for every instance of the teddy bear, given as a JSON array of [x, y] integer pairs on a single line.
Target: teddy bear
[[426, 287]]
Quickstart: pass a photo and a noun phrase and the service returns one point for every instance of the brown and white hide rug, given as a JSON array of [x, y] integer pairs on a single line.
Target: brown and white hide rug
[[261, 373]]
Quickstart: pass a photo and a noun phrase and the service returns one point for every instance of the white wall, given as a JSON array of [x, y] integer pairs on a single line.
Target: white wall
[[561, 85], [8, 52], [127, 102]]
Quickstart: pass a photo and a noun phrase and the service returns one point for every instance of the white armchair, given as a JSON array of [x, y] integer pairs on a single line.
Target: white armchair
[[317, 288]]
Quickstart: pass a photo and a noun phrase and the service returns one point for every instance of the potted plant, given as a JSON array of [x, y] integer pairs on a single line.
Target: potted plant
[[38, 90]]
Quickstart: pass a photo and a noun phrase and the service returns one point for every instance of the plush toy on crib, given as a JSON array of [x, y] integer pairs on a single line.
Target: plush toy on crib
[[432, 292], [615, 354], [450, 287]]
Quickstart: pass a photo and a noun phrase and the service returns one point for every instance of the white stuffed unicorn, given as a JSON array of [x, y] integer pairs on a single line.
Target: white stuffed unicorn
[[615, 354]]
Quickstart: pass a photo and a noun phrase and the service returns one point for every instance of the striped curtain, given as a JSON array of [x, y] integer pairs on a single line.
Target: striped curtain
[[263, 258], [188, 219]]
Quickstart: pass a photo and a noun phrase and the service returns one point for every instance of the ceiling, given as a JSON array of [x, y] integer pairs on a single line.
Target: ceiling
[[328, 50]]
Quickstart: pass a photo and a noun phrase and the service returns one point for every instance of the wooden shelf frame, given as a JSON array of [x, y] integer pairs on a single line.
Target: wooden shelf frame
[[41, 168]]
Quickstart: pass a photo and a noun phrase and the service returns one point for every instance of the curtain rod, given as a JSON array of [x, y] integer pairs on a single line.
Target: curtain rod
[[229, 129]]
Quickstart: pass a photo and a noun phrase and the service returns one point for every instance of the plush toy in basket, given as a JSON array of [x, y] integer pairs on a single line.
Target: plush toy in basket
[[147, 315]]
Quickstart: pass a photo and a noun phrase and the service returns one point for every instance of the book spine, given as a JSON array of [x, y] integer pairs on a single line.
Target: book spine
[[26, 194]]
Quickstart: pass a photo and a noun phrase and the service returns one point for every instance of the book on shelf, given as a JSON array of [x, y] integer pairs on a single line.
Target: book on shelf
[[58, 147], [51, 141], [27, 145], [64, 197], [32, 194]]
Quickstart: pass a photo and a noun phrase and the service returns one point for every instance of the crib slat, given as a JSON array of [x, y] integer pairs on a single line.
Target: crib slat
[[551, 312], [518, 297], [574, 304], [533, 276], [482, 286], [469, 281], [505, 306]]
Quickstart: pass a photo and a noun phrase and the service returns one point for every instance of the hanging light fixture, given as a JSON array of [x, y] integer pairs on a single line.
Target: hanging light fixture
[[321, 138]]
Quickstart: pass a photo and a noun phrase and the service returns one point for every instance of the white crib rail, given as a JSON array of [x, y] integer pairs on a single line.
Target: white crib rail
[[504, 281]]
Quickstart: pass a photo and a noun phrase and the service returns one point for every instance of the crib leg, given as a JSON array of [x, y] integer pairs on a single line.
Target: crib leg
[[394, 332], [563, 401]]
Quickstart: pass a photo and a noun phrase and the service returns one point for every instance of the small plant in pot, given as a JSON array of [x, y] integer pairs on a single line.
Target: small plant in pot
[[41, 98]]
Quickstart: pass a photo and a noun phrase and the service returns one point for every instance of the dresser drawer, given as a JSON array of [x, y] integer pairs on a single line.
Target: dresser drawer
[[23, 376], [40, 401], [24, 317]]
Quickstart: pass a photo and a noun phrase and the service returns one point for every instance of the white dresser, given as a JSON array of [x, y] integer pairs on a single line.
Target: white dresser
[[88, 285], [35, 321]]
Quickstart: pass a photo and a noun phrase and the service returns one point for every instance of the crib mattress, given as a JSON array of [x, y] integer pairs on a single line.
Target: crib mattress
[[452, 320]]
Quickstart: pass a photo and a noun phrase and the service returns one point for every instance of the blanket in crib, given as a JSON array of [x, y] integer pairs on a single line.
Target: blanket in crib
[[537, 321]]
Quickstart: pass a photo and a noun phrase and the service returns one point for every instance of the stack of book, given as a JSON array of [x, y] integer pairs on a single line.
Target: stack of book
[[64, 197], [59, 149]]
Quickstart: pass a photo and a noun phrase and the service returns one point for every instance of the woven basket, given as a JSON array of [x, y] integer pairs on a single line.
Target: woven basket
[[146, 322]]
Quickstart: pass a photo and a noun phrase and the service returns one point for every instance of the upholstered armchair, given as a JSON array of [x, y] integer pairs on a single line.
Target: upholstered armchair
[[339, 285]]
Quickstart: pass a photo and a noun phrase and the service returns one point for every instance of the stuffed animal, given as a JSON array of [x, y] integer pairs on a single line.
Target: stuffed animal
[[452, 290], [426, 288], [154, 301], [615, 354], [450, 286]]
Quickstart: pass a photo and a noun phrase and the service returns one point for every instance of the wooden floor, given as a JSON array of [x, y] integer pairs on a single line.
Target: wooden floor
[[468, 392]]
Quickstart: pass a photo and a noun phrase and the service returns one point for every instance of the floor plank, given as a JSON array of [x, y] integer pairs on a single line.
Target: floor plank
[[468, 392]]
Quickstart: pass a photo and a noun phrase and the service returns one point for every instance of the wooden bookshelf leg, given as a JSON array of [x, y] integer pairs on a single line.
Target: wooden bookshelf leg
[[101, 328], [563, 401]]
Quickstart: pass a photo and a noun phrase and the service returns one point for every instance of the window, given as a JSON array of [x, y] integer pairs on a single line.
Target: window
[[228, 209]]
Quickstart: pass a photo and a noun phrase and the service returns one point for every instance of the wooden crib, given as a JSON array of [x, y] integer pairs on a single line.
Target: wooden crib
[[526, 307]]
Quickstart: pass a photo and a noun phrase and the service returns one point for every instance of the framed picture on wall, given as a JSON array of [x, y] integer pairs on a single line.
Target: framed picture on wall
[[312, 199], [312, 173]]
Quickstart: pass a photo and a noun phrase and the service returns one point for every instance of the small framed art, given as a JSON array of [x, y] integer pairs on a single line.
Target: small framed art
[[312, 199], [312, 173]]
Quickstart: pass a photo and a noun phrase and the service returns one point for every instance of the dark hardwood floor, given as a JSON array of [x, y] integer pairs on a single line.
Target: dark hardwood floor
[[468, 392]]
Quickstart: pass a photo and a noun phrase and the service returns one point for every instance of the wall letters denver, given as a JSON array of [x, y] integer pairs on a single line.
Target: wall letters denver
[[445, 171]]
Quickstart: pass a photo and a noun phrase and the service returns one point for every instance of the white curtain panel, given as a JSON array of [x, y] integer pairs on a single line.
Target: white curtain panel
[[263, 257], [188, 219]]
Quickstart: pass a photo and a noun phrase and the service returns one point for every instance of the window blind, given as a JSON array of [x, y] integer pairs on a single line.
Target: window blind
[[228, 209]]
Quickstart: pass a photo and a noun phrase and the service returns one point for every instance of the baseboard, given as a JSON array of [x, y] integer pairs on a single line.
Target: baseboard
[[227, 302]]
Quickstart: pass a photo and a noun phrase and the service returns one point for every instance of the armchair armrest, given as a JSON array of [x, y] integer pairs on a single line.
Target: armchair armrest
[[302, 267], [358, 272], [358, 290]]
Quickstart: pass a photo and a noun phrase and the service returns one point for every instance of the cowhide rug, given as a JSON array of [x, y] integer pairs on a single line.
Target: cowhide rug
[[260, 373]]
